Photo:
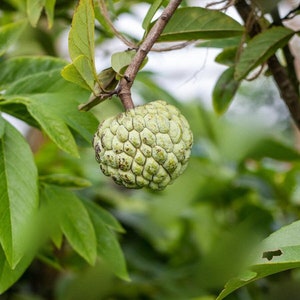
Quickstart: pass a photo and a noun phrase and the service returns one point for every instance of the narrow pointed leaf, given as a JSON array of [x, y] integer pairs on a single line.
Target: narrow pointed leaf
[[18, 194], [260, 48], [150, 13], [71, 215], [108, 247], [49, 9], [224, 91], [193, 23], [9, 33], [9, 276], [227, 57], [106, 218], [81, 47], [81, 37], [34, 10], [65, 180]]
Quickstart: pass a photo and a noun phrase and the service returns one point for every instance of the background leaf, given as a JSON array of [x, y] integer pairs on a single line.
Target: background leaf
[[68, 211], [34, 10], [9, 33], [260, 48], [18, 194], [49, 9], [47, 97], [108, 247], [287, 241], [193, 23], [65, 180], [224, 91], [9, 276]]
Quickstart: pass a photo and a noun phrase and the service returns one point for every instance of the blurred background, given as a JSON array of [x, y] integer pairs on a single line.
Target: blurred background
[[242, 182]]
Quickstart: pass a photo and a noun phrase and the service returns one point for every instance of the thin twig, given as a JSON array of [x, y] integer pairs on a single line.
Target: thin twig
[[173, 47], [124, 89], [284, 83], [227, 5], [105, 14]]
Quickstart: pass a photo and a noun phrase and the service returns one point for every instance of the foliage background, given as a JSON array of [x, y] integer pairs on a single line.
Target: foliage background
[[242, 184]]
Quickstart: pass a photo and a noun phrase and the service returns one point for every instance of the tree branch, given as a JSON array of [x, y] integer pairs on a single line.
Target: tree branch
[[124, 88], [288, 92]]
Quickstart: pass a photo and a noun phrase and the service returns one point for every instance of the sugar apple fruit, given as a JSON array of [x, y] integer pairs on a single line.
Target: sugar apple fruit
[[147, 146]]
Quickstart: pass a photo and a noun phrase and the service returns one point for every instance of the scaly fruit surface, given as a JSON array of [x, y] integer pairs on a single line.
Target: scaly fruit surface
[[147, 146]]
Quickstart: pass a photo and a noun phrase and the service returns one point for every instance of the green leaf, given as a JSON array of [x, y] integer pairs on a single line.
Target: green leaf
[[9, 276], [71, 215], [2, 126], [53, 125], [279, 252], [34, 10], [47, 97], [49, 9], [9, 33], [224, 91], [120, 60], [273, 149], [221, 43], [193, 23], [227, 57], [18, 194], [260, 48], [80, 72], [21, 67], [65, 180], [108, 247], [105, 216], [81, 37], [150, 13]]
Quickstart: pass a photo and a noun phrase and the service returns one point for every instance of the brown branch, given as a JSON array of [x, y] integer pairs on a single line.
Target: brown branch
[[124, 89], [288, 92]]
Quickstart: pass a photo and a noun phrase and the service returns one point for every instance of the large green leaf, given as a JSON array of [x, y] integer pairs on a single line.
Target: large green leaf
[[108, 247], [193, 23], [9, 33], [224, 91], [64, 208], [260, 48], [47, 97], [82, 70], [21, 67], [18, 193], [279, 252]]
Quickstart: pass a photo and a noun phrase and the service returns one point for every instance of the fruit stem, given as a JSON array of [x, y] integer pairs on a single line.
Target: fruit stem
[[124, 88]]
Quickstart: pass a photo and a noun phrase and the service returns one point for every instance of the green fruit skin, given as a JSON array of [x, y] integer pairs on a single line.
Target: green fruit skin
[[147, 146]]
